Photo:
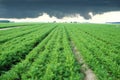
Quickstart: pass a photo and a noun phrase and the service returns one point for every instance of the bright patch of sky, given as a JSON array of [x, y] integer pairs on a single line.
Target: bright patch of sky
[[98, 18]]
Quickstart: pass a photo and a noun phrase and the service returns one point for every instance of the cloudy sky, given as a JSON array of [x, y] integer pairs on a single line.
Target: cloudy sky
[[60, 10]]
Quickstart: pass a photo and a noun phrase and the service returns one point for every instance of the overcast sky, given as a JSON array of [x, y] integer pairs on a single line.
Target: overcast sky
[[58, 9]]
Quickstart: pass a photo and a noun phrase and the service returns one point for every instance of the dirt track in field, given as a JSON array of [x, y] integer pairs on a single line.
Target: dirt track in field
[[89, 75], [8, 28]]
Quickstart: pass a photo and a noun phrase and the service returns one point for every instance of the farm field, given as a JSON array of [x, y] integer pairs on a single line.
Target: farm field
[[59, 51], [10, 25]]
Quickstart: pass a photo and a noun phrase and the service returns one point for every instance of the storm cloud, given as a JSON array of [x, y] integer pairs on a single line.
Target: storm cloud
[[57, 8]]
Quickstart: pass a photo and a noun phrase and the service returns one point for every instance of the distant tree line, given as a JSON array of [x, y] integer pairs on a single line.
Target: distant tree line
[[4, 21]]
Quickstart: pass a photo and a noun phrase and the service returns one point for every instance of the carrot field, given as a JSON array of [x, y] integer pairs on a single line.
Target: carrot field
[[59, 51]]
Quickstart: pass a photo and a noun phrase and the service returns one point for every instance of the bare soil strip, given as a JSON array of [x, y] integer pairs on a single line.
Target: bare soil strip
[[89, 75], [9, 28]]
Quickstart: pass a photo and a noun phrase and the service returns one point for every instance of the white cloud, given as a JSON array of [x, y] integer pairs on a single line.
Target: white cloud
[[99, 18], [106, 17]]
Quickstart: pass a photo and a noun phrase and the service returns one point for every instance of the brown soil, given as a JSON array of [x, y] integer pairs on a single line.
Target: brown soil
[[89, 75]]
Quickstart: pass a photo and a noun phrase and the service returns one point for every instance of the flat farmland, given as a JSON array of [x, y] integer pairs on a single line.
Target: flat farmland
[[59, 51]]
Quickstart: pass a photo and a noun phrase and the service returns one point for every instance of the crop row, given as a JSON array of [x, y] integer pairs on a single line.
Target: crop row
[[44, 52], [23, 66], [13, 33], [55, 62], [10, 25], [51, 59], [13, 51], [107, 33], [102, 60]]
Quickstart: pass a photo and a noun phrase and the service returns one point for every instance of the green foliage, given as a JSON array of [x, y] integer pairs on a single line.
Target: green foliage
[[44, 52], [98, 45]]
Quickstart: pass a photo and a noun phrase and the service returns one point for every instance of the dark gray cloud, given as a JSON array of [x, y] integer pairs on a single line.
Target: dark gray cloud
[[58, 8]]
